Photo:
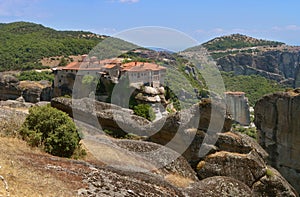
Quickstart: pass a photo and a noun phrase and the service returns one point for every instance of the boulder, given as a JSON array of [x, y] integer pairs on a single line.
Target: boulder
[[34, 92], [273, 184], [247, 168], [9, 87]]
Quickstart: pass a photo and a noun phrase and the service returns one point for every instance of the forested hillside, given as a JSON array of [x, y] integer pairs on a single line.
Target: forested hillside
[[23, 44]]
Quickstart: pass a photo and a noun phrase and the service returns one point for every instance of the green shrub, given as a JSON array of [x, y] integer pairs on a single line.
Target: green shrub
[[269, 172], [51, 129], [251, 132], [145, 111], [36, 76]]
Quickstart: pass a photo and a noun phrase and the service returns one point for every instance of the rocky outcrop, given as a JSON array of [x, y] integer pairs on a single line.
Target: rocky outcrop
[[241, 158], [273, 184], [34, 92], [171, 131], [277, 120], [280, 65], [11, 89], [234, 158], [247, 168], [238, 107]]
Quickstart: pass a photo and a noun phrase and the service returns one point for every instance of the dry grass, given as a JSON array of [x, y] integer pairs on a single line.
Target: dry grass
[[10, 125], [30, 172], [178, 180]]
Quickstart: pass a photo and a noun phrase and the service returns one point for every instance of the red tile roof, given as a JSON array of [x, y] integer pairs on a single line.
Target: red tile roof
[[109, 66], [87, 65], [141, 66]]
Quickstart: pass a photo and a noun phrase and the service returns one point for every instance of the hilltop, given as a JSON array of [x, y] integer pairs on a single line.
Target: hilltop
[[237, 41], [24, 44]]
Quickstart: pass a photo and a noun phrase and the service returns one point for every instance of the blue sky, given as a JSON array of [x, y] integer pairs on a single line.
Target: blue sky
[[202, 20]]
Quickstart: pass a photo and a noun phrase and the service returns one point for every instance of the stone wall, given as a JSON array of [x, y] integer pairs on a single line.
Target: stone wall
[[277, 120]]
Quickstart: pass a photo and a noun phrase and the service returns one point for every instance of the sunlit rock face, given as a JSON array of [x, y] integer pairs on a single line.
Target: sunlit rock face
[[277, 120]]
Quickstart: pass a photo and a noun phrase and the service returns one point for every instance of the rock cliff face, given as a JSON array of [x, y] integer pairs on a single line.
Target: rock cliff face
[[280, 65], [238, 107], [277, 120]]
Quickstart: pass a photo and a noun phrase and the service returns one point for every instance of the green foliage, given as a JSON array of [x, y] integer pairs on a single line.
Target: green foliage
[[35, 76], [169, 95], [63, 62], [115, 134], [51, 129], [248, 131], [89, 81], [269, 172], [145, 111], [254, 86], [24, 44], [237, 41]]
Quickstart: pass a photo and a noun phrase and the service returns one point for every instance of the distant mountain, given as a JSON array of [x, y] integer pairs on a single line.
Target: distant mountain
[[160, 50], [244, 55]]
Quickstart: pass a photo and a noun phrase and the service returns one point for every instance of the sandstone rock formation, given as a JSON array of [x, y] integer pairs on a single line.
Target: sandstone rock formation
[[9, 87], [277, 120], [238, 107]]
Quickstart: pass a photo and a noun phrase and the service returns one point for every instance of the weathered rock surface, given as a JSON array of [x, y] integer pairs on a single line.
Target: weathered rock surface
[[34, 92], [277, 120], [9, 87], [219, 186], [107, 182], [238, 107], [247, 168], [273, 184]]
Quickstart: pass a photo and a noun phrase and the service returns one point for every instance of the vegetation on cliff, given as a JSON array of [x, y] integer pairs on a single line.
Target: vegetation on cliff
[[36, 76], [254, 86]]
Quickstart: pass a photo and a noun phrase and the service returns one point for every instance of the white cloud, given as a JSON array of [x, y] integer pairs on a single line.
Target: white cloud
[[129, 1], [286, 28], [293, 27], [16, 7]]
